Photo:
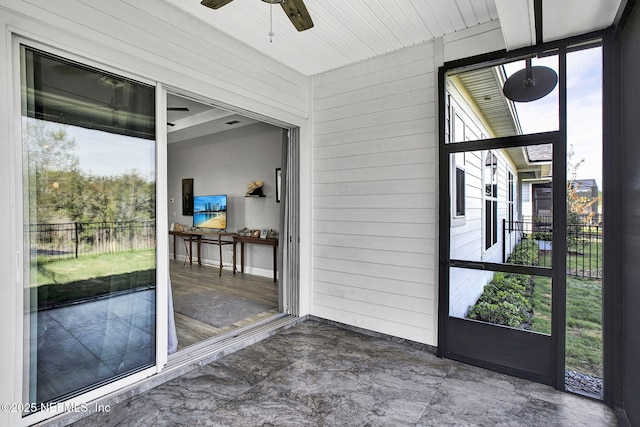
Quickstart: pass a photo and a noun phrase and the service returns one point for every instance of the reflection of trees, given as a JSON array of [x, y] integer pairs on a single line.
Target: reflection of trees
[[58, 190], [51, 164]]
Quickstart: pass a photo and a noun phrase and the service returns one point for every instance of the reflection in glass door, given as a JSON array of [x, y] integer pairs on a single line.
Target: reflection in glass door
[[89, 226]]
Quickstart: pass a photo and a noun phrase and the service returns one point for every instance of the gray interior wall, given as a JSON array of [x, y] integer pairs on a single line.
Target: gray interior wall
[[631, 216], [224, 163]]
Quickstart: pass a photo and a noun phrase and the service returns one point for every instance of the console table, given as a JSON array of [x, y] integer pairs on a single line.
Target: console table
[[203, 237], [256, 241]]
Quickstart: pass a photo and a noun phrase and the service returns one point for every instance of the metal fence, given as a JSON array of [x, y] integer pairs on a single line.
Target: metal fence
[[70, 240], [584, 243]]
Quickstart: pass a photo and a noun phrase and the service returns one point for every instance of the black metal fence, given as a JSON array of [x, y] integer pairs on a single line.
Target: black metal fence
[[584, 243], [70, 240]]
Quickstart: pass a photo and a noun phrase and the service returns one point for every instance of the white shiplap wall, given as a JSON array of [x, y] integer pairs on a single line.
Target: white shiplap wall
[[374, 195]]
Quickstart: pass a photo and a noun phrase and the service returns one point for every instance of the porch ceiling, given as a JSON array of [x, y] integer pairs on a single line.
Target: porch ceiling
[[346, 32]]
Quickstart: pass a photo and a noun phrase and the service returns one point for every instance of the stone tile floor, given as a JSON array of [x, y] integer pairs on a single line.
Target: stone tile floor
[[81, 344], [316, 374]]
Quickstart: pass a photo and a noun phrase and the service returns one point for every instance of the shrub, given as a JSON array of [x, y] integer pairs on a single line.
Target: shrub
[[526, 253], [504, 301], [503, 313], [494, 296]]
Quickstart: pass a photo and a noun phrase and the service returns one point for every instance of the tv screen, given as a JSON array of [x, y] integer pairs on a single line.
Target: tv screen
[[210, 211]]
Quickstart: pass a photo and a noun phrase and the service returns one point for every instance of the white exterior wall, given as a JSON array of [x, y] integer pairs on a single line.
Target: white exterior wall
[[467, 234], [468, 240], [167, 46], [374, 206], [375, 180]]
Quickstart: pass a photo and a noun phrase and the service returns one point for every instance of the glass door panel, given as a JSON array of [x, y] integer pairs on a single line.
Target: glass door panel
[[497, 216], [89, 201], [585, 225], [500, 249], [520, 301]]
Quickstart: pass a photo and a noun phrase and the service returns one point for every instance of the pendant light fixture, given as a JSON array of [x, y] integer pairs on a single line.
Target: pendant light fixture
[[530, 84]]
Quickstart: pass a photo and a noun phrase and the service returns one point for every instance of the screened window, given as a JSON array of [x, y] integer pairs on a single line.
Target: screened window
[[491, 199], [460, 192]]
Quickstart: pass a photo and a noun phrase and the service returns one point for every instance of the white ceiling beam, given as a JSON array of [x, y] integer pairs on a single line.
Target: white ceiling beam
[[200, 118], [517, 21]]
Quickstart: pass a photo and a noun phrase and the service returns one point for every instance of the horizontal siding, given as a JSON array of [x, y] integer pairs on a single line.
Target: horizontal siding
[[374, 195]]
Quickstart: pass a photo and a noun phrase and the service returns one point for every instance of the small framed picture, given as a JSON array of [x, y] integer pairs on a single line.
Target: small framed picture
[[278, 184], [263, 233], [255, 233]]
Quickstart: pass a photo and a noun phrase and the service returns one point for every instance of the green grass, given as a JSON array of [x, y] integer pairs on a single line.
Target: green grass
[[65, 281], [92, 266], [541, 302], [584, 321], [584, 259], [584, 326]]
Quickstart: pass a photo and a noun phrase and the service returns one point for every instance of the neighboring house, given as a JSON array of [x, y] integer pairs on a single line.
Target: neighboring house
[[587, 190]]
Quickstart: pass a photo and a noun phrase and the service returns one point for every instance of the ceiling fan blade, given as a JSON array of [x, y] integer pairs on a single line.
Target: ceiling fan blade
[[215, 4], [298, 14], [177, 108]]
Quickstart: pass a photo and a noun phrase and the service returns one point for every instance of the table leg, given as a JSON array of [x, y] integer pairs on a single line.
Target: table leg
[[199, 245], [220, 246], [275, 263], [241, 257], [190, 251], [174, 247], [234, 257]]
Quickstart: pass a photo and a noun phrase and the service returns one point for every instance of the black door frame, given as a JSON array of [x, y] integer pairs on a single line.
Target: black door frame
[[557, 345]]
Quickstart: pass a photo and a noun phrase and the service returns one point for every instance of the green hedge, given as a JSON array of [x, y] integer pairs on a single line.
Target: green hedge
[[504, 301]]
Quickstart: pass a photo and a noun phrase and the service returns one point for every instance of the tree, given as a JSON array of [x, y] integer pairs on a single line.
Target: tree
[[579, 208], [51, 163]]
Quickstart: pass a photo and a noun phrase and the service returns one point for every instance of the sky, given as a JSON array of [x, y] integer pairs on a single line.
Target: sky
[[108, 154], [584, 108]]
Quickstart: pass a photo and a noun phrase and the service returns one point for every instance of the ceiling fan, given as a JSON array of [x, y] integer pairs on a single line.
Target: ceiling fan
[[295, 10]]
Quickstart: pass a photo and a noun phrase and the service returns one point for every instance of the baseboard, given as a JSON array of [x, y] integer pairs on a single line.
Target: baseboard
[[255, 271]]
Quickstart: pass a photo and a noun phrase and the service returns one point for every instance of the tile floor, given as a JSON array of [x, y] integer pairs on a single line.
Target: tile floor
[[82, 344], [316, 374]]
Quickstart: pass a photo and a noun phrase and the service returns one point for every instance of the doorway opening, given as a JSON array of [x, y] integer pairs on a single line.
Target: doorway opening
[[522, 219], [226, 205]]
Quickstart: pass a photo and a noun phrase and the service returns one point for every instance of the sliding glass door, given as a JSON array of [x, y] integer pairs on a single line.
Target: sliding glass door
[[89, 180]]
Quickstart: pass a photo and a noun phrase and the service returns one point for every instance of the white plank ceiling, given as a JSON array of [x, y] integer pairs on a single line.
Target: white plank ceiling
[[350, 31]]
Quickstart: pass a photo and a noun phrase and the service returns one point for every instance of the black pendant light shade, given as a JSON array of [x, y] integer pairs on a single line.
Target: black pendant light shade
[[530, 84]]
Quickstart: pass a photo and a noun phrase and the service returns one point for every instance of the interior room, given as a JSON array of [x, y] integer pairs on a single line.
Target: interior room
[[219, 156]]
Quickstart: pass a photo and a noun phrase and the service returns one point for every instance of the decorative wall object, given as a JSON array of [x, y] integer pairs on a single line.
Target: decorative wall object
[[187, 197], [254, 188], [278, 184]]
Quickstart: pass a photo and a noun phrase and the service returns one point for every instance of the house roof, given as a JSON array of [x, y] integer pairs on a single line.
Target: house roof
[[347, 32], [484, 86]]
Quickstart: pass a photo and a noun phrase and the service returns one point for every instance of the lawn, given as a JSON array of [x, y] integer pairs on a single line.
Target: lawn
[[584, 321], [65, 281], [92, 266]]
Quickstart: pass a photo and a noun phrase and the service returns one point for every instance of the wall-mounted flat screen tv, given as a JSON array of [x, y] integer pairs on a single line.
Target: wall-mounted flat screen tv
[[210, 211]]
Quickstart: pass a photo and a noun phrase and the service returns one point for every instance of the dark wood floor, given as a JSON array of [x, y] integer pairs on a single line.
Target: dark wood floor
[[186, 278]]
